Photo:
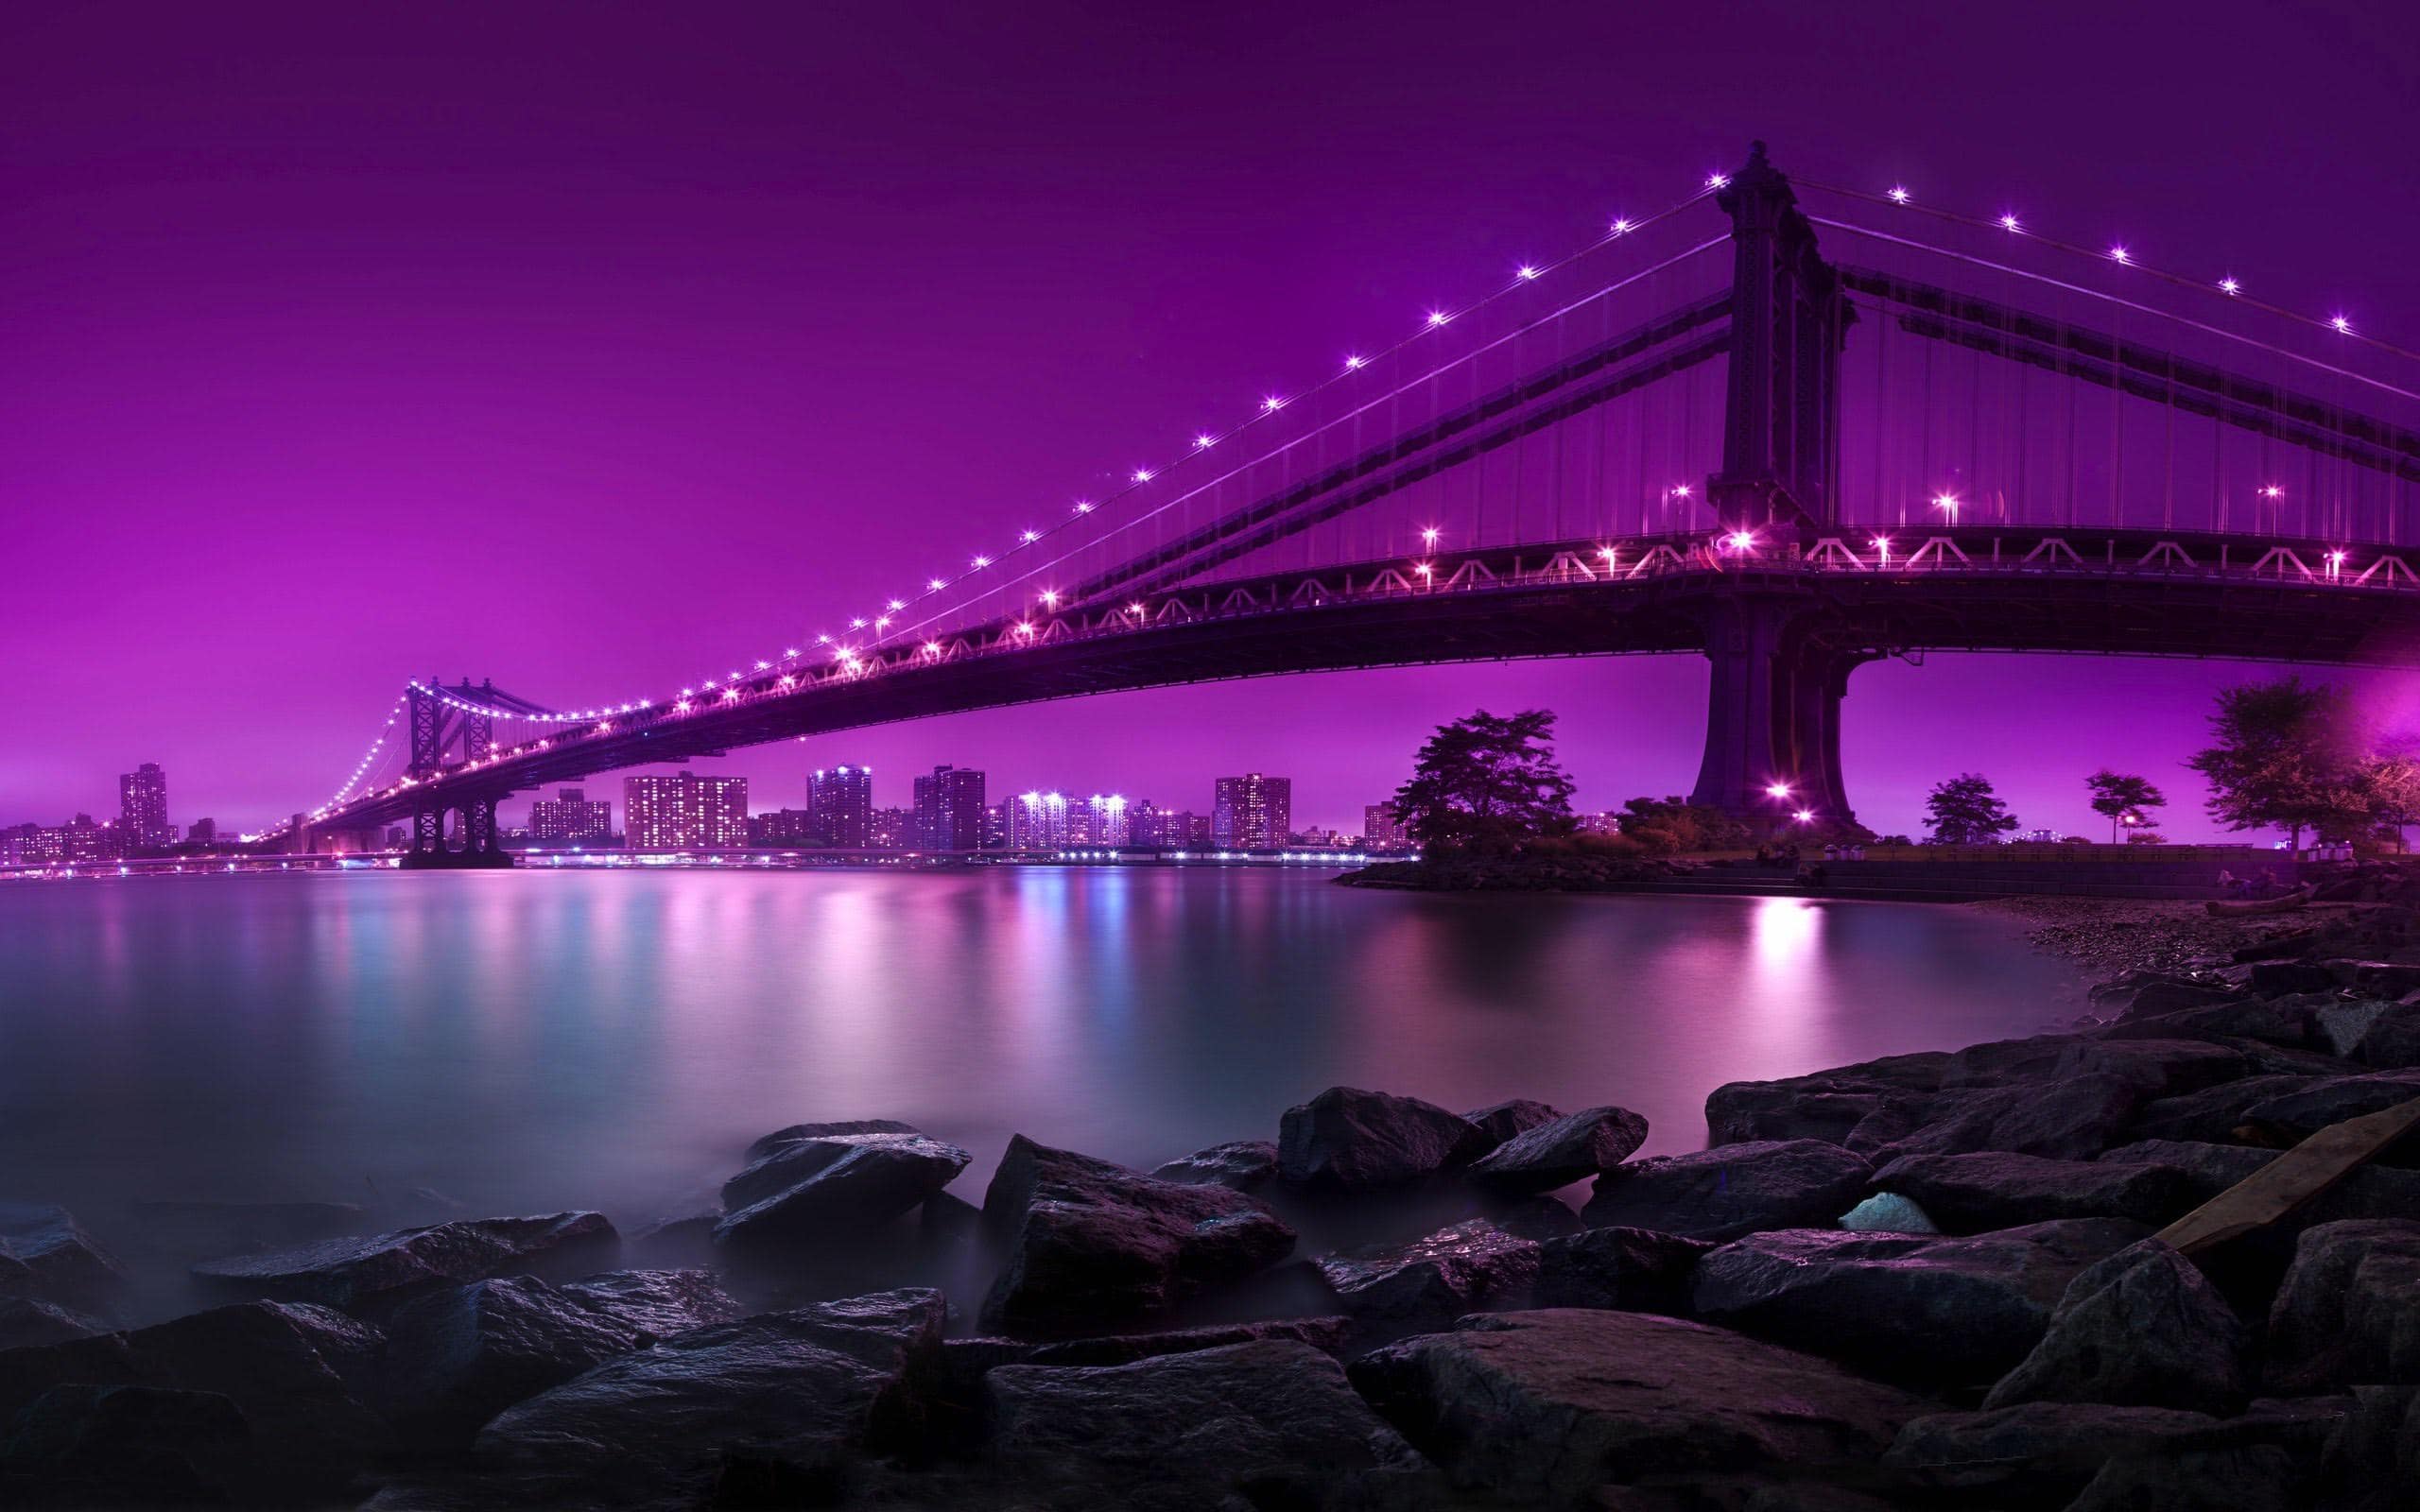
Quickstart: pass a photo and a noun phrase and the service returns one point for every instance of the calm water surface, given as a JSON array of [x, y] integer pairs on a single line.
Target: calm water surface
[[530, 1042]]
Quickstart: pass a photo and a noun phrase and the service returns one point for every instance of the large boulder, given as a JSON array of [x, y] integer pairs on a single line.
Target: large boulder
[[46, 1256], [2367, 1192], [2213, 1115], [2041, 1452], [1240, 1164], [456, 1358], [1555, 1154], [2238, 1025], [378, 1273], [1990, 1189], [1545, 1408], [1266, 1424], [86, 1445], [2142, 1327], [2393, 1042], [1511, 1118], [2072, 1119], [2155, 1068], [1629, 1270], [1359, 1140], [2348, 1313], [1825, 1106], [2293, 1116], [792, 1398], [1730, 1190], [815, 1180], [296, 1373], [1432, 1281], [1092, 1243], [1928, 1312], [23, 1322]]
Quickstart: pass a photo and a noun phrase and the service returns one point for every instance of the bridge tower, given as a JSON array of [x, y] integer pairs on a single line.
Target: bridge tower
[[438, 726], [1780, 664]]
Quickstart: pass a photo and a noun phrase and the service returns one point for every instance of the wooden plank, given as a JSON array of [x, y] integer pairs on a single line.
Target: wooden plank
[[2291, 1179]]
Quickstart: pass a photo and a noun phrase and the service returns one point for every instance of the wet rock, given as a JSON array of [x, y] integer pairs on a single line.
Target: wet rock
[[816, 1179], [2169, 994], [86, 1445], [1555, 1154], [1730, 1190], [2212, 1115], [1630, 1270], [2143, 1327], [203, 1230], [1271, 1424], [295, 1371], [1361, 1141], [1887, 1213], [45, 1256], [2339, 1026], [2293, 1116], [2249, 1478], [1511, 1118], [1435, 1278], [2376, 979], [2073, 1118], [2267, 1021], [2393, 1043], [1825, 1106], [2154, 1067], [2272, 979], [1926, 1311], [2348, 1312], [786, 1399], [2374, 1461], [456, 1358], [2367, 1192], [2042, 1452], [1971, 1193], [1544, 1408], [381, 1271], [23, 1321], [1092, 1242], [971, 1357], [1241, 1165]]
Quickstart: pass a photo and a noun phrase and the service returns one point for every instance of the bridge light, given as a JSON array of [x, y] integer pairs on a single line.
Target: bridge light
[[2009, 222], [1898, 194], [2341, 324], [982, 562], [934, 585], [760, 665], [1882, 546], [858, 623], [1428, 536], [894, 606], [932, 647], [605, 726], [1804, 816], [1610, 555], [1680, 491], [2228, 285], [1528, 271], [1438, 317], [1948, 504], [1741, 539], [1424, 569], [2272, 491], [1622, 225], [1718, 181], [1031, 536], [1136, 609], [1083, 505], [1050, 597], [1206, 440], [791, 655], [2119, 254], [731, 694], [882, 622], [1352, 364], [1271, 404], [1777, 790], [1025, 627], [681, 706]]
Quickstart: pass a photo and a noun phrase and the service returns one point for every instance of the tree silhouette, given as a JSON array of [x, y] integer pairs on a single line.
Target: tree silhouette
[[1966, 811], [2118, 795], [1486, 783], [2287, 755]]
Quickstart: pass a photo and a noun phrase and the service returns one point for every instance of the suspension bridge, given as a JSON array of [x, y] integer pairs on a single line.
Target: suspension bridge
[[1789, 427]]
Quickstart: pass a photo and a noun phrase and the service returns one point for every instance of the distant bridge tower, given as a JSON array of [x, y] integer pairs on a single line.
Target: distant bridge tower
[[1781, 665], [437, 726]]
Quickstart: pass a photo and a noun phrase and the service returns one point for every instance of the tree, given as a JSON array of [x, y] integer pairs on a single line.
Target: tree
[[1674, 826], [2390, 788], [1486, 783], [2286, 754], [2123, 797], [1966, 811]]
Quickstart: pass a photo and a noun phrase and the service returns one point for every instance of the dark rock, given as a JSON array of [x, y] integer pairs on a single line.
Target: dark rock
[[90, 1446], [801, 1184], [45, 1256], [2155, 1068], [1825, 1106], [2339, 1026], [1730, 1190], [2367, 1192], [1511, 1118], [2248, 1478], [2293, 1116], [2348, 1312], [1092, 1242], [456, 1358], [1629, 1270], [2373, 1462], [2212, 1115], [382, 1270], [2073, 1118], [1346, 1138], [1266, 1425], [2143, 1327], [2043, 1452], [1971, 1194], [2392, 1043], [2171, 995], [796, 1396], [205, 1230], [1930, 1312], [23, 1322], [2376, 979], [1433, 1280], [295, 1371], [2266, 1021], [1545, 1407], [1533, 1217], [1241, 1165], [971, 1357], [2276, 978], [1571, 1148]]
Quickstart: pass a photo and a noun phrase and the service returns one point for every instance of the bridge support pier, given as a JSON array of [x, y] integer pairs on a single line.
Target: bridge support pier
[[482, 839], [1773, 713]]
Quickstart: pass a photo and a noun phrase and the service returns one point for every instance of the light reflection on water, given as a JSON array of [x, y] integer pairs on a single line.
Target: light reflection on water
[[530, 1041]]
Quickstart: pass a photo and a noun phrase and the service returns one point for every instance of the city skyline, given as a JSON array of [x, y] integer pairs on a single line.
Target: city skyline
[[725, 395]]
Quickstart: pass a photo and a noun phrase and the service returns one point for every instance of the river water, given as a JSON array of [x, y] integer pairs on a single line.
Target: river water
[[531, 1041]]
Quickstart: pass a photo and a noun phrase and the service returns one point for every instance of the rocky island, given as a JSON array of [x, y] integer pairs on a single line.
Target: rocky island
[[1952, 1279]]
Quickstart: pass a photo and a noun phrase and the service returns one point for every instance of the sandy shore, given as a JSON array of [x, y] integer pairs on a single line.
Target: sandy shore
[[2117, 934]]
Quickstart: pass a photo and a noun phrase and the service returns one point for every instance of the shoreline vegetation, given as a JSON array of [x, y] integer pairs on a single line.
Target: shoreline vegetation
[[2161, 1261]]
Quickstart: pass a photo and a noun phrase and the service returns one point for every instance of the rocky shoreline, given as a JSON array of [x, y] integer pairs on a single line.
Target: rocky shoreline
[[1930, 1281]]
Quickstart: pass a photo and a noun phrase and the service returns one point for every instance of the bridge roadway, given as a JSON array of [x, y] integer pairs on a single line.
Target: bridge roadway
[[1783, 622]]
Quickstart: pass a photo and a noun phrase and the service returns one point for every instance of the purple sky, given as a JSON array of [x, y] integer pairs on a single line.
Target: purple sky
[[582, 347]]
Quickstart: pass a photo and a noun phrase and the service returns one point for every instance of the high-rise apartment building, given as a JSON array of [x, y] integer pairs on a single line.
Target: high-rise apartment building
[[1252, 812], [1381, 825], [142, 808], [949, 810], [841, 801], [1109, 826], [202, 831], [890, 827], [781, 827], [684, 811], [996, 826], [570, 818], [1038, 822]]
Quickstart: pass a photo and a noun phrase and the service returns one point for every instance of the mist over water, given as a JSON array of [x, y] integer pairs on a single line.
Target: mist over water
[[534, 1042]]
